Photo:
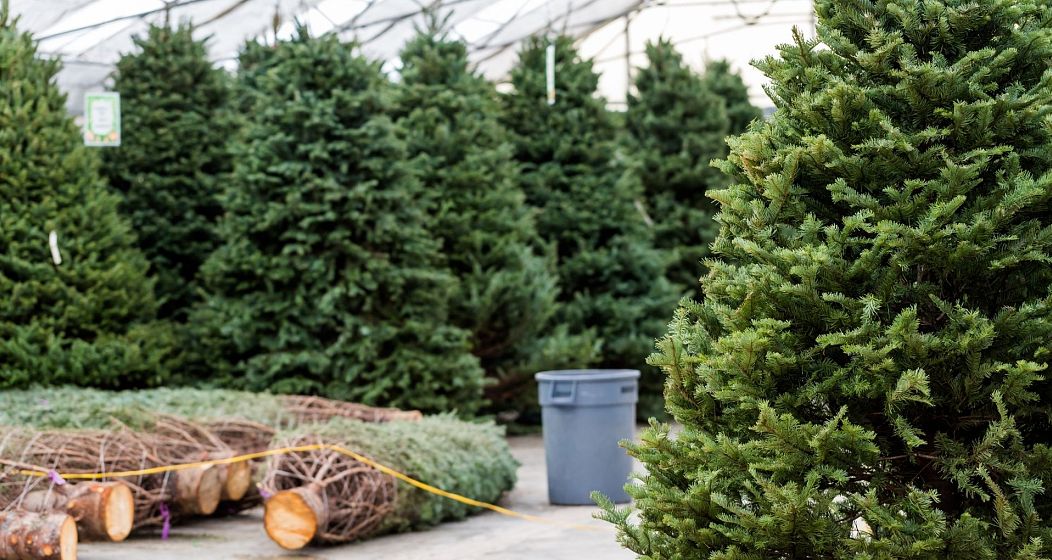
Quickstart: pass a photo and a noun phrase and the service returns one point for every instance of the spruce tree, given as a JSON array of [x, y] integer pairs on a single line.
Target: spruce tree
[[84, 317], [676, 127], [173, 156], [866, 377], [506, 291], [328, 280], [728, 85], [589, 203]]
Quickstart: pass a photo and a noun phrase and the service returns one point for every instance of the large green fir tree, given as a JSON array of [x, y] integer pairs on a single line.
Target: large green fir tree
[[589, 203], [676, 127], [84, 317], [728, 86], [867, 375], [173, 156], [328, 280], [506, 292]]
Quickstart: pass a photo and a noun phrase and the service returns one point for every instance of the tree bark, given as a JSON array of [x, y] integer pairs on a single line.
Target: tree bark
[[197, 490], [102, 510], [237, 481], [26, 535]]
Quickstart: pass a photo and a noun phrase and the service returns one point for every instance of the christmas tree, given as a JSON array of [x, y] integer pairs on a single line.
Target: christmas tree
[[252, 60], [676, 127], [589, 203], [328, 280], [728, 85], [506, 293], [866, 376], [173, 156], [77, 303]]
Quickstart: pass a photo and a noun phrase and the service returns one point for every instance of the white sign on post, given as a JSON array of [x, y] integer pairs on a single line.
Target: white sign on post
[[102, 119]]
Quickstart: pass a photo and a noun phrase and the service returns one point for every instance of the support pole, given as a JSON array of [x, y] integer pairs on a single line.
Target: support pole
[[549, 72], [628, 55]]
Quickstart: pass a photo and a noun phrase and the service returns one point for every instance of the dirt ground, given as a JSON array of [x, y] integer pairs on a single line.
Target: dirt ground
[[487, 535]]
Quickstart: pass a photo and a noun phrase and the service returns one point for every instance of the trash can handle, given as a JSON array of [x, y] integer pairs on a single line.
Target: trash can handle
[[563, 392]]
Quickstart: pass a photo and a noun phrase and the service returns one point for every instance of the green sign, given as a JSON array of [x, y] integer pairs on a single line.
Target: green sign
[[102, 119]]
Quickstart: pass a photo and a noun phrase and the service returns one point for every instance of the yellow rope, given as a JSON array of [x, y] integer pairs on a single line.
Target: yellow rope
[[313, 447]]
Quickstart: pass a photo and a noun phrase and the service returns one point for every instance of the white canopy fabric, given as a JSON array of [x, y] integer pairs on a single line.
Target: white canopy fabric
[[90, 35]]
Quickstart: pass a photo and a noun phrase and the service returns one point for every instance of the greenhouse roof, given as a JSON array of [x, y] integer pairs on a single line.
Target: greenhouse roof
[[90, 35]]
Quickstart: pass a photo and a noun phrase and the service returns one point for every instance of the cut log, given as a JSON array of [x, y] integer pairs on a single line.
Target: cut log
[[242, 437], [172, 440], [293, 517], [237, 481], [197, 490], [27, 535], [102, 510]]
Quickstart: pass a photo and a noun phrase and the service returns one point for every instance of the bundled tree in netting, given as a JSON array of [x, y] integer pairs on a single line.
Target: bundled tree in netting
[[866, 376], [326, 497], [589, 203], [328, 280], [77, 306], [173, 156], [82, 431], [676, 127], [506, 293], [720, 79]]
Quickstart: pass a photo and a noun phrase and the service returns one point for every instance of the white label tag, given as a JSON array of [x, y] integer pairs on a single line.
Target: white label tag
[[52, 240]]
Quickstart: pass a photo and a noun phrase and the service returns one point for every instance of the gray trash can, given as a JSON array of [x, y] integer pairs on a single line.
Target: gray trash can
[[585, 413]]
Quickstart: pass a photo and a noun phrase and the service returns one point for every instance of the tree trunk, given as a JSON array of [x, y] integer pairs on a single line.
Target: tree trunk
[[26, 535], [197, 490], [102, 510], [293, 517], [237, 480]]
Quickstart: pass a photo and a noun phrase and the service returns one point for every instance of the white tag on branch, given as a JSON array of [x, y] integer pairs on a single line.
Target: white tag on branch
[[550, 73], [643, 212], [860, 529], [52, 240]]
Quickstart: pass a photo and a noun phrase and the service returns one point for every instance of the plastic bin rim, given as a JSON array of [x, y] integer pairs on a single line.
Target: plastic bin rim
[[587, 374]]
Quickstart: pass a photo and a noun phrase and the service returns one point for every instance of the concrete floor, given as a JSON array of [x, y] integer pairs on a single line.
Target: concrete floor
[[487, 535]]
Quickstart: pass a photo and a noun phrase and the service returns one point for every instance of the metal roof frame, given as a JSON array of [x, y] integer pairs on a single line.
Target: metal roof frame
[[90, 35]]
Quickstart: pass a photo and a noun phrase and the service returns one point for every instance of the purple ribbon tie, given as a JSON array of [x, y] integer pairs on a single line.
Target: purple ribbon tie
[[166, 521], [56, 478]]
